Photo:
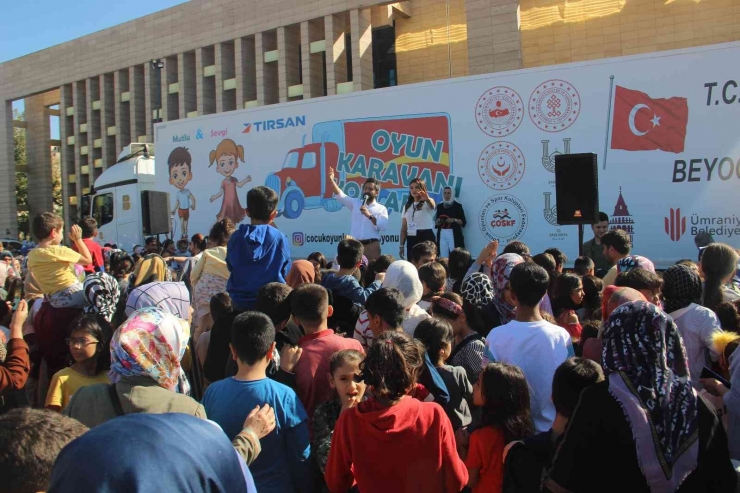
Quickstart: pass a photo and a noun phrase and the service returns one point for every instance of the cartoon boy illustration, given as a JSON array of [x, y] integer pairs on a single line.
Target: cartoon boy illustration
[[180, 164], [227, 156]]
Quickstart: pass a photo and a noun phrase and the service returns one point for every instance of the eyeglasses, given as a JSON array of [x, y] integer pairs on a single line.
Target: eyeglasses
[[81, 342]]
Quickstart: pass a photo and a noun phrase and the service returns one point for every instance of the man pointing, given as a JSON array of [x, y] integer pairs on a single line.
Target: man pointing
[[369, 217]]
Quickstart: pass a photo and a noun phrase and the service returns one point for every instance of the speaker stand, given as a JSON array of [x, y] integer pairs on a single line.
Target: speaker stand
[[580, 240]]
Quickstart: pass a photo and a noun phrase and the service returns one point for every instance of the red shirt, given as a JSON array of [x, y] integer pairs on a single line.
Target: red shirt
[[95, 251], [406, 448], [486, 453], [312, 384]]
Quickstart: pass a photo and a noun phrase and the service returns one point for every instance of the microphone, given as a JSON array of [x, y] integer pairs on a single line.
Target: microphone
[[365, 199]]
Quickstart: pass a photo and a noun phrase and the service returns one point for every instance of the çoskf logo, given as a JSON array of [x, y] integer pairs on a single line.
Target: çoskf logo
[[499, 111], [298, 239], [503, 218], [501, 165], [276, 124]]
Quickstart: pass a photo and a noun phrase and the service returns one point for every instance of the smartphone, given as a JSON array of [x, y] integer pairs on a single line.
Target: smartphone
[[707, 373], [16, 292]]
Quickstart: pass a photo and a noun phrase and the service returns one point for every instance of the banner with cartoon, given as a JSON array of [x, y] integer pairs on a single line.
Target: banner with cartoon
[[662, 125]]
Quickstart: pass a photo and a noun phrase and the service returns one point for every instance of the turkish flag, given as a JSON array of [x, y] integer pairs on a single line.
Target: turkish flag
[[642, 123]]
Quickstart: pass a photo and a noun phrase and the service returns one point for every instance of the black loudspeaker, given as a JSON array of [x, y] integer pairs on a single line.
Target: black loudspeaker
[[577, 188], [155, 212]]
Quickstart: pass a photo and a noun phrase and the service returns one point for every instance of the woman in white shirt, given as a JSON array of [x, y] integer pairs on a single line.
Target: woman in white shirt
[[418, 217]]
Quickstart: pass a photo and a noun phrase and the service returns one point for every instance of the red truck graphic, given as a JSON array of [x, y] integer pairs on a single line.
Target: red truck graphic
[[393, 150]]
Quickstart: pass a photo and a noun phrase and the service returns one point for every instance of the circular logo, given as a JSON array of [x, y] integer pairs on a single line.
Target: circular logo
[[499, 111], [503, 218], [554, 105], [501, 165]]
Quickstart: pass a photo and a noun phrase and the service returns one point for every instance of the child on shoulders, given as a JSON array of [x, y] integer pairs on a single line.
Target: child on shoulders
[[53, 265], [343, 283]]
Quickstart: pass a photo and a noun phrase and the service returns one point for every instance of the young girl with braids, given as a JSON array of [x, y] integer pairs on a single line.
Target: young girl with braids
[[393, 442]]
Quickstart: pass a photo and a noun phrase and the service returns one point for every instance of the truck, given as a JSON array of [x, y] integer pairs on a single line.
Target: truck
[[661, 126]]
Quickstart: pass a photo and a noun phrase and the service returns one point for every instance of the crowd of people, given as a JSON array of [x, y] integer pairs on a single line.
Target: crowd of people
[[223, 364]]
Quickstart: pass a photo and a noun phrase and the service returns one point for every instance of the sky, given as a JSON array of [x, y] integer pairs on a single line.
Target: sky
[[29, 26]]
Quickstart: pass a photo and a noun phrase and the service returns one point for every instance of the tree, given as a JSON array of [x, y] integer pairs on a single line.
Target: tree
[[21, 177]]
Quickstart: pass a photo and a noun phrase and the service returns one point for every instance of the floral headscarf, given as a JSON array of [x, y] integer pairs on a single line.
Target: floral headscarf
[[634, 261], [681, 287], [644, 358], [500, 273], [102, 293], [151, 343]]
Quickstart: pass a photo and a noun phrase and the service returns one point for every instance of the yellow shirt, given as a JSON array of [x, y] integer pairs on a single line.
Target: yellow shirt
[[66, 382], [53, 267], [212, 262]]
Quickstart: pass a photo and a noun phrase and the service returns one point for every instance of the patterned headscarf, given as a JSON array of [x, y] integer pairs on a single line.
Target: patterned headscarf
[[681, 287], [500, 273], [301, 272], [151, 268], [151, 343], [477, 289], [172, 297], [634, 261], [645, 361], [102, 293]]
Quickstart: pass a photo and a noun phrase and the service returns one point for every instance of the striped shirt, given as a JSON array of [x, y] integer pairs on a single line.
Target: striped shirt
[[696, 325]]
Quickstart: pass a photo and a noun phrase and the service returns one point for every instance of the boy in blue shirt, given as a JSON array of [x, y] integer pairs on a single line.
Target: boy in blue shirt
[[343, 283], [257, 253], [283, 465]]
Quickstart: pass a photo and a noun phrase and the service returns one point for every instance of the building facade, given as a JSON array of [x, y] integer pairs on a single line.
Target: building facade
[[210, 56]]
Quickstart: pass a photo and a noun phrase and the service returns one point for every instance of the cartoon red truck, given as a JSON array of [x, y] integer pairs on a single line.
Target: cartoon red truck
[[393, 150]]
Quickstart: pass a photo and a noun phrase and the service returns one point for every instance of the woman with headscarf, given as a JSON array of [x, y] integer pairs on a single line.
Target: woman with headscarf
[[151, 268], [403, 276], [171, 297], [696, 324], [301, 272], [644, 429], [102, 292], [146, 351], [501, 309], [630, 262], [198, 455]]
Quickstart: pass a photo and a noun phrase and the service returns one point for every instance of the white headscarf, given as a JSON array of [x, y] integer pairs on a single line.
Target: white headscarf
[[403, 276]]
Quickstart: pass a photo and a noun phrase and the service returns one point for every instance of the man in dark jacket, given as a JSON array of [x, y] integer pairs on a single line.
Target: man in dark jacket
[[450, 221]]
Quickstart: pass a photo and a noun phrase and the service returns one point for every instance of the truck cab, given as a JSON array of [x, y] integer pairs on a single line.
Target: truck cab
[[115, 200]]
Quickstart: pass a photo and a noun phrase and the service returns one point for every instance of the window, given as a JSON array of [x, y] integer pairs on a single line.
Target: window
[[103, 208], [291, 160], [384, 57], [309, 160]]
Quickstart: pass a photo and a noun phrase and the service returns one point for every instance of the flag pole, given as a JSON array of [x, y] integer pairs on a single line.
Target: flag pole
[[608, 118]]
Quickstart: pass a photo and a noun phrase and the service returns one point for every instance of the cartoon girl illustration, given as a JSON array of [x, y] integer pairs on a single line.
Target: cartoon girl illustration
[[227, 156]]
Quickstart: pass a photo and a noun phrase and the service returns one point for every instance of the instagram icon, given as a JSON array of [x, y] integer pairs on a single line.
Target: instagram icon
[[298, 239]]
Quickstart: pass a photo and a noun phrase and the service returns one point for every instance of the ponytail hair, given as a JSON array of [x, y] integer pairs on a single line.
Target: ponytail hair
[[718, 262], [392, 365], [221, 232]]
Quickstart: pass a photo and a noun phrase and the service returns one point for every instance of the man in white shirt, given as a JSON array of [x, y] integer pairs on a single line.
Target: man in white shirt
[[369, 217], [536, 346]]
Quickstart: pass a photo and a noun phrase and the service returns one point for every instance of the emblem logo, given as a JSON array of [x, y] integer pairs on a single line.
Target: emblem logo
[[675, 224], [551, 213], [554, 105], [548, 159], [499, 111], [504, 218], [501, 165]]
